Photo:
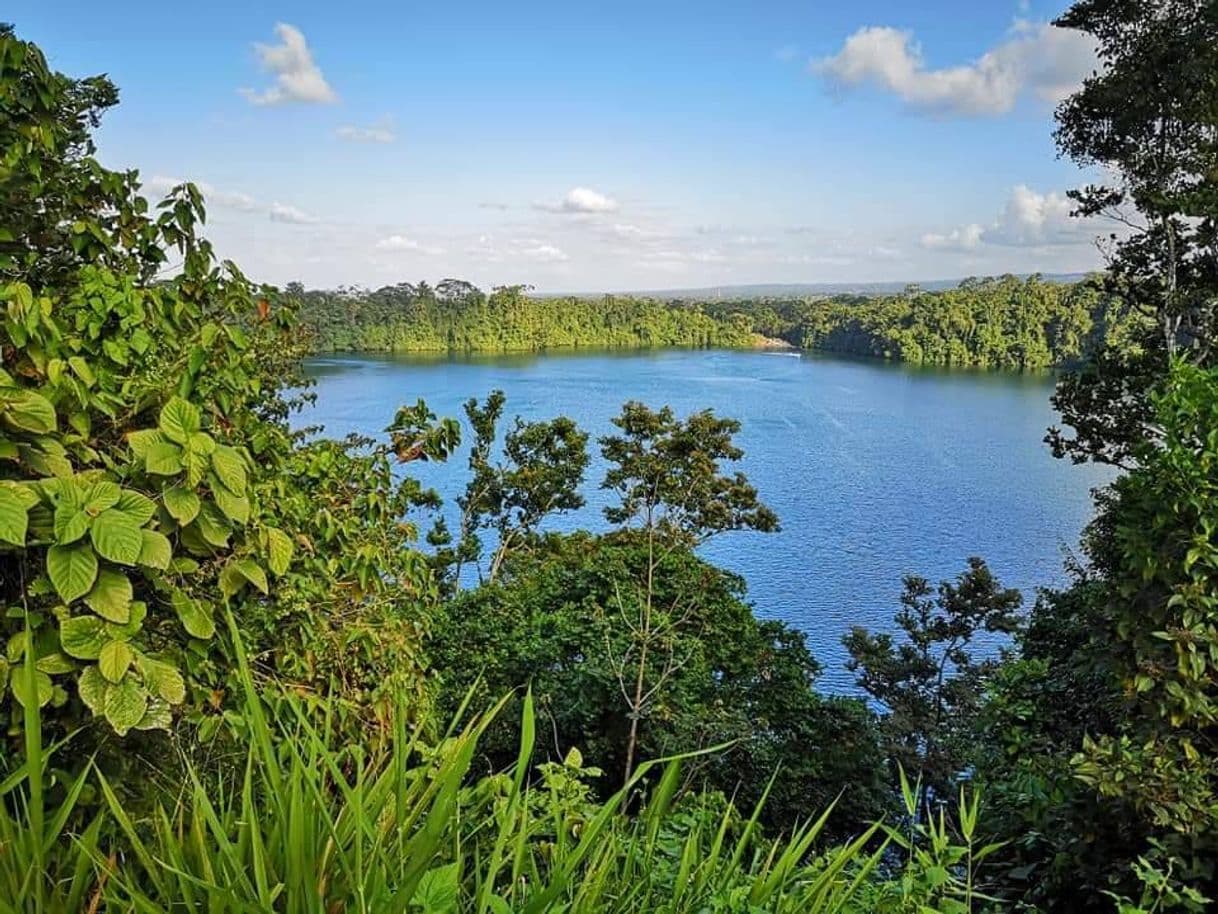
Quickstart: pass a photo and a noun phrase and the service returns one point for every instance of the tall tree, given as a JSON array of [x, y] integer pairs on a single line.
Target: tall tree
[[929, 683], [666, 473], [1149, 118]]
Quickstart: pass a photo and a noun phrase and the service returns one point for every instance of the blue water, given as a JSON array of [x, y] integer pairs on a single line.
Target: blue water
[[876, 471]]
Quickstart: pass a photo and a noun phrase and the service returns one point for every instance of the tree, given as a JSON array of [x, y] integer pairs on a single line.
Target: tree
[[540, 476], [554, 622], [1149, 117], [666, 473], [929, 684]]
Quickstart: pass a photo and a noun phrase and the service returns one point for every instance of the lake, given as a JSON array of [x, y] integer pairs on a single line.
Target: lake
[[876, 470]]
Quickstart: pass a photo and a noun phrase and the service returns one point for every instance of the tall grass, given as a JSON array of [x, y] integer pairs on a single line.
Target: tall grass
[[310, 825]]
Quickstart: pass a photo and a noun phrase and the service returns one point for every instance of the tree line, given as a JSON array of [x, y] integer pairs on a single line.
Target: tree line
[[1002, 322]]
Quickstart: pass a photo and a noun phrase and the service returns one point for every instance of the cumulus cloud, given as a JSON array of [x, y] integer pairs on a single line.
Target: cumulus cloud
[[400, 243], [544, 253], [282, 212], [297, 76], [1036, 59], [582, 200], [380, 132], [1029, 219]]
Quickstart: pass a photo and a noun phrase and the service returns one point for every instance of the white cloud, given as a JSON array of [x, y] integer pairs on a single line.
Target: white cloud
[[1036, 58], [380, 132], [212, 196], [544, 253], [967, 238], [402, 243], [281, 212], [297, 76], [582, 200], [1029, 219]]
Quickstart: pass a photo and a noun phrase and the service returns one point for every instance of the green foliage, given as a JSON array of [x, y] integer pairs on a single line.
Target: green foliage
[[929, 684], [566, 622], [666, 474]]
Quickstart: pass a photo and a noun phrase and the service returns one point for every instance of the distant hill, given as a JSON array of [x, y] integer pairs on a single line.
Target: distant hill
[[796, 290]]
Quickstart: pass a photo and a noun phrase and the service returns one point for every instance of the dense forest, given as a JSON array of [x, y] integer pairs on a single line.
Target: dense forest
[[251, 670], [1004, 322]]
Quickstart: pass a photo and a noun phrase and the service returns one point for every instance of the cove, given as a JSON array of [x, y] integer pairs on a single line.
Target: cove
[[876, 470]]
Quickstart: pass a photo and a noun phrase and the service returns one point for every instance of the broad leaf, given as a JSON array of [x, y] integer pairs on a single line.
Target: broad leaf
[[125, 705], [27, 411], [83, 637], [93, 689], [114, 660], [163, 679], [14, 517], [196, 619], [179, 420], [155, 552], [111, 596], [163, 458], [72, 570], [229, 466], [182, 504], [279, 550], [116, 536]]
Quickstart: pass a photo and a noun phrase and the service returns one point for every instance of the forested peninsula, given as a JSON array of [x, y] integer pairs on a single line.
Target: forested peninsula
[[1004, 322]]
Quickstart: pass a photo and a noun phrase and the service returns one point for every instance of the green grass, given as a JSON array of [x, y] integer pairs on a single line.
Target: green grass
[[310, 825]]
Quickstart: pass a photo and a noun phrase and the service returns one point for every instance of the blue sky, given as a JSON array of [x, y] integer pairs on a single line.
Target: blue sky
[[589, 147]]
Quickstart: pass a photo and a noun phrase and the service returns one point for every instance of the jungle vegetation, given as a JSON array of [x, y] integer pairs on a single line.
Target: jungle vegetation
[[246, 669]]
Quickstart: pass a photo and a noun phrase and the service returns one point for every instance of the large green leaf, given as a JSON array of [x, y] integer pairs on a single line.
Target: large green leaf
[[229, 466], [125, 704], [182, 504], [82, 637], [14, 516], [93, 689], [115, 659], [163, 679], [156, 552], [212, 526], [71, 523], [100, 496], [179, 420], [42, 685], [136, 506], [196, 619], [116, 536], [235, 507], [111, 596], [142, 441], [27, 411], [163, 458], [72, 570], [279, 550], [252, 572]]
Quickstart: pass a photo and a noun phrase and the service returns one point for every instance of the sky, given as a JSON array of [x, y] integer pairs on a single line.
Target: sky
[[596, 147]]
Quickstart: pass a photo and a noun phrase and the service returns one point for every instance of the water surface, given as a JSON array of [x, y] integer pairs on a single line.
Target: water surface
[[876, 471]]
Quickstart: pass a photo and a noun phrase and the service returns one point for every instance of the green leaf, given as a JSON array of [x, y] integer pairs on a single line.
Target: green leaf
[[142, 441], [27, 411], [252, 572], [136, 506], [125, 705], [72, 570], [163, 679], [42, 686], [157, 717], [14, 517], [155, 552], [114, 660], [437, 890], [163, 459], [111, 597], [55, 664], [212, 526], [235, 507], [229, 466], [182, 504], [71, 523], [179, 420], [100, 496], [125, 631], [82, 637], [196, 619], [279, 550], [116, 537], [93, 689], [202, 444]]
